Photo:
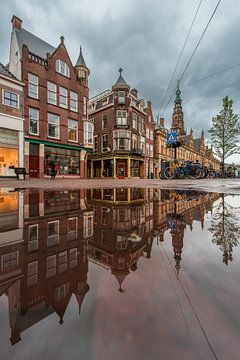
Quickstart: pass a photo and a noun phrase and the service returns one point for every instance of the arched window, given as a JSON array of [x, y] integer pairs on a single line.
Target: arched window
[[62, 68]]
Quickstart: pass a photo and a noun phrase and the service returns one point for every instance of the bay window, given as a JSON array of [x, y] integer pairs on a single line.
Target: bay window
[[121, 118], [88, 133]]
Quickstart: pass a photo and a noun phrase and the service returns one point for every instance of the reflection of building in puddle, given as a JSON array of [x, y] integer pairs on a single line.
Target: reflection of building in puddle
[[175, 210], [45, 262], [51, 264], [123, 229]]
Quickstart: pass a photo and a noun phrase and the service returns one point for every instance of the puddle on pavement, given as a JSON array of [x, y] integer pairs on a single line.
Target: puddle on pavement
[[119, 273]]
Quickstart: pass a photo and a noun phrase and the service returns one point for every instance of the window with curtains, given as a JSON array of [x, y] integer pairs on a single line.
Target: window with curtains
[[72, 130], [62, 68]]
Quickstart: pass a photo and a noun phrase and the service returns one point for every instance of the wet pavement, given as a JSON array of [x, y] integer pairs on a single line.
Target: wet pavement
[[119, 273]]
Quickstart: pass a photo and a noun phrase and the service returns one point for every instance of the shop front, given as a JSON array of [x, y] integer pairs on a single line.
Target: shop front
[[9, 152], [68, 161]]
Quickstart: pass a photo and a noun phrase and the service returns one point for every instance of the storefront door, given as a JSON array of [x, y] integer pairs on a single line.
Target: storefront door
[[33, 160], [121, 169]]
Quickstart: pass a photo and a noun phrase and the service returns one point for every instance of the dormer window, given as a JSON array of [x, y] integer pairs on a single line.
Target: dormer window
[[62, 68]]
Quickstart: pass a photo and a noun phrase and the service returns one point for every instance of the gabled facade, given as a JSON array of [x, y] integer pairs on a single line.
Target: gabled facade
[[123, 133], [57, 131]]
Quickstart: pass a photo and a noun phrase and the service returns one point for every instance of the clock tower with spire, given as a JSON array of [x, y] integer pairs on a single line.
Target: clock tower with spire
[[177, 116]]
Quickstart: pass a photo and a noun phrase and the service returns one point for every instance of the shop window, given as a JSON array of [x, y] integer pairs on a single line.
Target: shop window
[[51, 93], [53, 233], [62, 68], [121, 118], [10, 99], [33, 238], [63, 97], [33, 121], [53, 126], [32, 273], [10, 260], [88, 133], [104, 121], [73, 130], [73, 101], [32, 86], [67, 160]]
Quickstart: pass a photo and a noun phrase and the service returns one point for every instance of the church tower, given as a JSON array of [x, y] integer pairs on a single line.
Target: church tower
[[177, 116]]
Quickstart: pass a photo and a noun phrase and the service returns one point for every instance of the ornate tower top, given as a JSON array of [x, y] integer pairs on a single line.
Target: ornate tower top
[[83, 71], [178, 93]]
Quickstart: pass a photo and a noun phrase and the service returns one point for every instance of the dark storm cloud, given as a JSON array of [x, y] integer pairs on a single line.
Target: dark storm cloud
[[145, 38]]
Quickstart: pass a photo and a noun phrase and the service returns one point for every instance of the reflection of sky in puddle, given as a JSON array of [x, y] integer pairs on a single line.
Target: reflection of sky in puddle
[[172, 254]]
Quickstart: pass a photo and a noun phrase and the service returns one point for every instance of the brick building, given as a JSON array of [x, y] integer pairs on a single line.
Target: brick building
[[11, 123], [191, 149], [57, 130], [123, 133]]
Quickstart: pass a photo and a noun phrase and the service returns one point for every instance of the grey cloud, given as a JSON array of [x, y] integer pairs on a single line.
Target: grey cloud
[[145, 38]]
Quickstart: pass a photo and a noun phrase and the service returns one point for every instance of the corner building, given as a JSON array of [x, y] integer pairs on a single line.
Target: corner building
[[55, 104], [123, 133]]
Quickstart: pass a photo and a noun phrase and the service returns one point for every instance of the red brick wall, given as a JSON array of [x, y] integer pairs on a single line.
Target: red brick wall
[[48, 73]]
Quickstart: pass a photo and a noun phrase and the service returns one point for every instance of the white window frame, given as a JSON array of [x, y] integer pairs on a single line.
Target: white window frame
[[34, 84], [120, 118], [32, 243], [73, 101], [88, 133], [73, 128], [134, 120], [36, 119], [11, 93], [58, 126], [72, 234], [85, 101], [63, 95], [53, 91], [104, 148], [50, 237], [62, 68], [104, 115]]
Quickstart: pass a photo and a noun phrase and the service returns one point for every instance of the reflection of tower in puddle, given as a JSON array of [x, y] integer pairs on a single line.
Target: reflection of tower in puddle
[[53, 265], [123, 229]]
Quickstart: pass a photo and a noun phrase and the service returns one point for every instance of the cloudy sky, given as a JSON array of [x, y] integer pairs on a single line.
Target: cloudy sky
[[145, 38]]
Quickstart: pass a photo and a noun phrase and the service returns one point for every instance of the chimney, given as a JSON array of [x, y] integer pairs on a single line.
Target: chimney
[[161, 122], [16, 22]]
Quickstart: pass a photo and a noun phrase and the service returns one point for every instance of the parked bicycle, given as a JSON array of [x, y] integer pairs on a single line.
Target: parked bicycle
[[179, 170]]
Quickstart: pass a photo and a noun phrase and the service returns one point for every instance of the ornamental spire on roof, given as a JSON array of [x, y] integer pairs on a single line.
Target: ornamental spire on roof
[[120, 80], [80, 60]]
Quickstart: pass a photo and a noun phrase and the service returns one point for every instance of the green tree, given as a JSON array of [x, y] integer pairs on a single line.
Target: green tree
[[225, 132]]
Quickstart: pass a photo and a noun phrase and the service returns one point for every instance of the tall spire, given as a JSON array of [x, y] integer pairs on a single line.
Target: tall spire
[[178, 93], [80, 60]]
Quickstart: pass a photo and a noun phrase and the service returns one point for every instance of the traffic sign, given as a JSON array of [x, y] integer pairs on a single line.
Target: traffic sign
[[171, 137]]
